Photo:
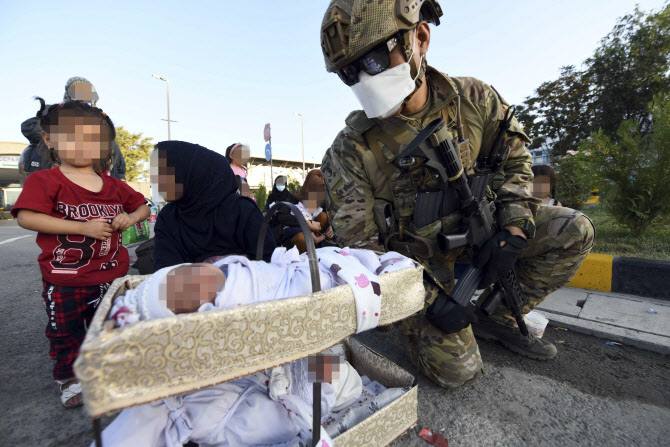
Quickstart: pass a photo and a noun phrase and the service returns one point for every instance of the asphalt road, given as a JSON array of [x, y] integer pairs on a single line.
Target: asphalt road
[[591, 395]]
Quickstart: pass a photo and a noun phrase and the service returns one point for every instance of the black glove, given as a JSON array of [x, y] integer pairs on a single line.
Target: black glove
[[495, 260], [448, 316]]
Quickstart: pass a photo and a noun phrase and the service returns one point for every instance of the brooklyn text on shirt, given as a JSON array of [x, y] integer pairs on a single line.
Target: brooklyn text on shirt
[[86, 210]]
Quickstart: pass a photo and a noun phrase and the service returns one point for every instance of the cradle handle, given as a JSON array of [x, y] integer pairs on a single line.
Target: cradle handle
[[311, 248]]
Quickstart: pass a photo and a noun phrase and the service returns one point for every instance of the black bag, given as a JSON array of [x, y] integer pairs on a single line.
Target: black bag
[[145, 257]]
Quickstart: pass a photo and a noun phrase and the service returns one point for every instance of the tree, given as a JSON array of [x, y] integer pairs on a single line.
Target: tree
[[555, 115], [135, 150], [261, 196], [575, 178], [634, 172], [631, 65], [294, 184]]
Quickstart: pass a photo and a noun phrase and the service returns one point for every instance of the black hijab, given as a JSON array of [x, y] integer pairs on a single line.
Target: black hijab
[[281, 196], [210, 219]]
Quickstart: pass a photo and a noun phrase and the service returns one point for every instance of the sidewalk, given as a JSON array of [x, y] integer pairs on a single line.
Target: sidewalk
[[612, 316]]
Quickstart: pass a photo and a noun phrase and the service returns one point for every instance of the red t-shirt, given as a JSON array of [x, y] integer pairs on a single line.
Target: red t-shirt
[[74, 260]]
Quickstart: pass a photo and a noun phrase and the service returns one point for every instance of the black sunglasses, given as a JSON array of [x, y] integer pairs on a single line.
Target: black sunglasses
[[373, 62]]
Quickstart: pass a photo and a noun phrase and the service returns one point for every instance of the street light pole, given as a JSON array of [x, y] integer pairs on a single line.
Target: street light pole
[[303, 144], [168, 101], [168, 106]]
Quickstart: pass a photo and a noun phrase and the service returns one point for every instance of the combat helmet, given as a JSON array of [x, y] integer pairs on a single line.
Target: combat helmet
[[351, 28]]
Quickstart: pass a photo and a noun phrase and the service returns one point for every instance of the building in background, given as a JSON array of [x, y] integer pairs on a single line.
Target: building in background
[[10, 179], [9, 163], [540, 156], [258, 171]]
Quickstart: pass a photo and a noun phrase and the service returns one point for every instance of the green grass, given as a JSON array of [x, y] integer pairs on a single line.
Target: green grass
[[617, 240]]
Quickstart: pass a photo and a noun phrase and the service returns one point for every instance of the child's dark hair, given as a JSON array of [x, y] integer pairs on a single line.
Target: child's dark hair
[[547, 170], [48, 117], [229, 149]]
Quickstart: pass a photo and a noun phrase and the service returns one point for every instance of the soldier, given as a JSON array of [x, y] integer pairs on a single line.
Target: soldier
[[379, 48]]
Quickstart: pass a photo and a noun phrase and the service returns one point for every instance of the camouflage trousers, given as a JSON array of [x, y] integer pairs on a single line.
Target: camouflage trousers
[[563, 239]]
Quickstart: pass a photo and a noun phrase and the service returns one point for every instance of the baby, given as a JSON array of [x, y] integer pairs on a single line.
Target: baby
[[172, 290], [235, 281], [190, 286]]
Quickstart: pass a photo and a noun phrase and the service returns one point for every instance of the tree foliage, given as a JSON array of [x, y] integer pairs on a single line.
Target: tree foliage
[[261, 195], [555, 115], [630, 66], [634, 169], [628, 69], [294, 184], [575, 178], [135, 150]]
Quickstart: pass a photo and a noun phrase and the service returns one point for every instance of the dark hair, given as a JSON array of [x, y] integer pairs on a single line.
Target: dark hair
[[313, 183], [229, 149], [48, 117], [548, 171]]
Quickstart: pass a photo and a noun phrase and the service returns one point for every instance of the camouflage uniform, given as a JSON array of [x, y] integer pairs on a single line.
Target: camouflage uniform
[[360, 184]]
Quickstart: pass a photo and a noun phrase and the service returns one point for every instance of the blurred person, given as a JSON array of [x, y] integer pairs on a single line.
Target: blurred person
[[78, 213], [244, 188], [284, 225], [544, 185], [33, 158], [205, 216], [238, 156], [311, 200]]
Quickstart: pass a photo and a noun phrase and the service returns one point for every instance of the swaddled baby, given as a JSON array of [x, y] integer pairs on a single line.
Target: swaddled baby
[[172, 290], [235, 280]]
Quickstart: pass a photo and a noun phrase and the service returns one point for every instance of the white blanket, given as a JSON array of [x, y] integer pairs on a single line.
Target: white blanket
[[288, 275]]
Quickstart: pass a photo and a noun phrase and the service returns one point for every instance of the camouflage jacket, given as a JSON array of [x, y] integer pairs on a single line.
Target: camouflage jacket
[[358, 189]]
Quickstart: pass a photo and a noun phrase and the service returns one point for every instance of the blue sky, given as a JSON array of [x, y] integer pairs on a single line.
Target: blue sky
[[234, 66]]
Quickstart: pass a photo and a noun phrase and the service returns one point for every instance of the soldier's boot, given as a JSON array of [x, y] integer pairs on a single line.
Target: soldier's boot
[[511, 338]]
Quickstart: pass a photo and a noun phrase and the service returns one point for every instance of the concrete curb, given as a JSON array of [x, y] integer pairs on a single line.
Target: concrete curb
[[631, 337], [634, 276]]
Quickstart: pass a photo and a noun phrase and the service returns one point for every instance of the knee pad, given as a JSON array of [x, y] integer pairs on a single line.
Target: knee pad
[[587, 230], [448, 316]]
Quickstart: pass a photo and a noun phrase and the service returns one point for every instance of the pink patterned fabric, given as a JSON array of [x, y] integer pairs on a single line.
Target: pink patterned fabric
[[239, 171]]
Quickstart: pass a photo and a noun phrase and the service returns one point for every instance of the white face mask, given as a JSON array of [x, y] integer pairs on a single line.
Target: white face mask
[[383, 94], [280, 188]]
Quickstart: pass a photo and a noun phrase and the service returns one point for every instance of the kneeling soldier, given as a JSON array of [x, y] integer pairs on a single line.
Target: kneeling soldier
[[378, 48]]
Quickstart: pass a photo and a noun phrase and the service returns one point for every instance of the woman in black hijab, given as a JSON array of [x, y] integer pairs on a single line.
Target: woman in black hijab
[[205, 217], [284, 225], [280, 193]]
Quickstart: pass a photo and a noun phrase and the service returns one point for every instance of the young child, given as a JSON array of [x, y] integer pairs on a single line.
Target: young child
[[79, 216], [544, 185], [310, 199]]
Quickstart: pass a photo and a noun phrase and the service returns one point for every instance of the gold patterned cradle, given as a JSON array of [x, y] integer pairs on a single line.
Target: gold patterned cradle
[[150, 360]]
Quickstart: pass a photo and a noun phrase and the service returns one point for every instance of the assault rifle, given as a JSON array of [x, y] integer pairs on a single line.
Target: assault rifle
[[457, 192]]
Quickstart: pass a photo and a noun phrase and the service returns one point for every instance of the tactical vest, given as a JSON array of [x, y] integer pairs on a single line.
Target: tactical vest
[[395, 191]]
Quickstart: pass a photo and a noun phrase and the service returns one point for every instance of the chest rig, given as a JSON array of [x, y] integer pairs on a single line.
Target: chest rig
[[412, 183]]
